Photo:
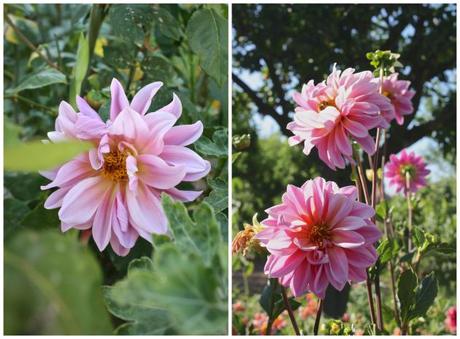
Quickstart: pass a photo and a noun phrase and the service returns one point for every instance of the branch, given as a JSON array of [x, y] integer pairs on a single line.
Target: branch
[[28, 42], [264, 108]]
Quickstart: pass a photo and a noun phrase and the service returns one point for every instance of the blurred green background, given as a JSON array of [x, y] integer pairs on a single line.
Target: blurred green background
[[54, 281]]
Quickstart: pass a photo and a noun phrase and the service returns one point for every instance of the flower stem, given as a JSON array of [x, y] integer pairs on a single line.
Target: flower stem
[[409, 213], [370, 298], [289, 310], [318, 317], [270, 321]]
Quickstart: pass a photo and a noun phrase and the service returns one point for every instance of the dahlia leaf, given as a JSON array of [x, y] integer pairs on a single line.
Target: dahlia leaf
[[167, 24], [80, 69], [424, 296], [201, 236], [217, 147], [207, 35], [52, 279], [218, 198], [406, 292], [43, 77]]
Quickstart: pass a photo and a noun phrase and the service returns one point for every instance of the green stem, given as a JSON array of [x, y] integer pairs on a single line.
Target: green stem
[[409, 213], [272, 305]]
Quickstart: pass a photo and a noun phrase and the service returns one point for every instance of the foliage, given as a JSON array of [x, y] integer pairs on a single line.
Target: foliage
[[55, 52]]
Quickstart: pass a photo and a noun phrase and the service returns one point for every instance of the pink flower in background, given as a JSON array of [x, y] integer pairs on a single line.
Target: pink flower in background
[[345, 106], [319, 235], [451, 320], [405, 164], [400, 94], [114, 189]]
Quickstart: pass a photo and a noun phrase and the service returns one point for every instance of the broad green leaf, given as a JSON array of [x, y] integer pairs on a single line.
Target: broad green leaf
[[181, 292], [80, 69], [35, 156], [130, 21], [24, 186], [217, 147], [167, 24], [41, 78], [218, 198], [272, 301], [51, 282], [201, 236], [387, 250], [407, 283], [157, 68], [419, 237], [40, 217], [424, 296], [207, 35]]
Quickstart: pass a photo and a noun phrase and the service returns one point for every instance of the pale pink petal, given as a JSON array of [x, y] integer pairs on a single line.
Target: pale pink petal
[[143, 98]]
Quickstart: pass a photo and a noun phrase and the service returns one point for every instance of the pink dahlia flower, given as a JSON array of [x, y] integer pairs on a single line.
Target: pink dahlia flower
[[406, 164], [319, 235], [451, 320], [345, 106], [400, 94], [114, 189]]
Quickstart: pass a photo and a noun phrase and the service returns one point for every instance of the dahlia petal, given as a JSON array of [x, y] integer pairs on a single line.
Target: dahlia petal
[[285, 264], [174, 107], [355, 128], [119, 101], [195, 166], [184, 135], [338, 264], [89, 128], [130, 124], [102, 224], [300, 279], [347, 239], [82, 201], [155, 172], [54, 200], [145, 211], [117, 247], [143, 98], [350, 223], [86, 109], [182, 195]]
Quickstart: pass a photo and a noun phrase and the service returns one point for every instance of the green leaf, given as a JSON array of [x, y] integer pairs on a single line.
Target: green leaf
[[218, 198], [40, 217], [130, 21], [157, 68], [271, 295], [167, 24], [14, 211], [387, 250], [207, 35], [42, 78], [217, 147], [51, 282], [407, 283], [141, 319], [419, 237], [35, 156], [24, 186], [424, 296], [201, 236], [80, 69]]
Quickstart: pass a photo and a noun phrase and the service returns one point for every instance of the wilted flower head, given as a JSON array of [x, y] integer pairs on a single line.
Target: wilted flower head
[[406, 171], [343, 107], [245, 239], [114, 189], [400, 94], [319, 235], [451, 320]]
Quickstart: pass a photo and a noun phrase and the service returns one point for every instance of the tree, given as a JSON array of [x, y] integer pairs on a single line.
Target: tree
[[290, 44]]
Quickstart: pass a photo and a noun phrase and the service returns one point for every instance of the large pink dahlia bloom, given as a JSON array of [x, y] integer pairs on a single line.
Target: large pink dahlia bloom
[[400, 94], [345, 106], [319, 235], [406, 171], [114, 189]]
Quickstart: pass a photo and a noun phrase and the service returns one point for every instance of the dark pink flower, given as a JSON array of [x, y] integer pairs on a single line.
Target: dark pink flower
[[346, 106], [406, 166], [319, 235], [114, 189], [451, 320], [400, 94]]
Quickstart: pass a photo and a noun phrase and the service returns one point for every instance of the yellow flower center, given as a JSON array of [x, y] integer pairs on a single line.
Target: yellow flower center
[[325, 103], [319, 233], [387, 94], [115, 165]]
